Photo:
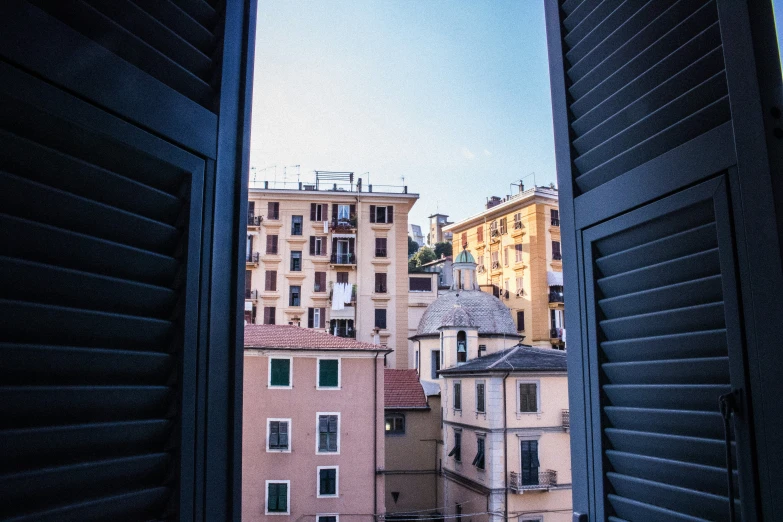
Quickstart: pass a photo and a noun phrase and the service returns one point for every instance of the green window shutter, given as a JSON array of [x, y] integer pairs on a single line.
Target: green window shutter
[[328, 373], [282, 497], [274, 434], [281, 372], [283, 430], [328, 482]]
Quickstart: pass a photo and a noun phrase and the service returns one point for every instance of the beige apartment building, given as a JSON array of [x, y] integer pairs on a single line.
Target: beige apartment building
[[516, 243], [332, 258], [312, 426]]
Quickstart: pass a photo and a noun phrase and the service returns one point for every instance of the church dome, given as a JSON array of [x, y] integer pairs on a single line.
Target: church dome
[[468, 308], [464, 257]]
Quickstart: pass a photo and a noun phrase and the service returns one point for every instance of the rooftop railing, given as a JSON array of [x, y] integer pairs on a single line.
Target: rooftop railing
[[327, 187]]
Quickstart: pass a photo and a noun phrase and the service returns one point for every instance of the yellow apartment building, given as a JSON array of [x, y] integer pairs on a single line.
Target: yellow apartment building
[[330, 256], [516, 243]]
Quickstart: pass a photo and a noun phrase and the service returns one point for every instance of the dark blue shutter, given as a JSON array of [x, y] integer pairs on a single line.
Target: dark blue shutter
[[667, 217]]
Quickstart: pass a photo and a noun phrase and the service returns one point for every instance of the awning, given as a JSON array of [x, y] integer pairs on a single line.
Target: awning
[[349, 312], [345, 236], [554, 278]]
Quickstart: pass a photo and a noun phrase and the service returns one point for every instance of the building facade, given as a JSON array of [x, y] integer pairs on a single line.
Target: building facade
[[313, 426], [414, 232], [437, 234], [516, 242], [332, 260]]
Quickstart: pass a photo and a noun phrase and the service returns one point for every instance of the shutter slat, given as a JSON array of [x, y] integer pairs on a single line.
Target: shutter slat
[[686, 396], [712, 370], [55, 445], [33, 241], [633, 510], [688, 501], [709, 452], [676, 422], [688, 319], [593, 25], [686, 345], [31, 406], [669, 297], [84, 481], [40, 364], [180, 22], [199, 10]]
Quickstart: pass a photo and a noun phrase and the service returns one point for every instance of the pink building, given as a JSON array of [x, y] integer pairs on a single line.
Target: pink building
[[313, 426]]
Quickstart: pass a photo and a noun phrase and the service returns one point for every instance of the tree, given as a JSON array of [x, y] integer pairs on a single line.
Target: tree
[[443, 248], [413, 246], [424, 255]]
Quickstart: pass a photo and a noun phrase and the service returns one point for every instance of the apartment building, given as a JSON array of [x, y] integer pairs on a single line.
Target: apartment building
[[313, 426], [506, 448], [516, 242], [332, 259], [437, 233]]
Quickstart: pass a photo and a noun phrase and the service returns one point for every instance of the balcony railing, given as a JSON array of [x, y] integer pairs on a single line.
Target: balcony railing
[[344, 331], [555, 222], [556, 297], [251, 294], [556, 333], [343, 259], [254, 221], [566, 420], [545, 480], [557, 256], [343, 224], [252, 258]]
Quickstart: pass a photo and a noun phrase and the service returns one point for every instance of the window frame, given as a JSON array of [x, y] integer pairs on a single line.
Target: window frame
[[324, 515], [456, 451], [272, 315], [483, 384], [269, 422], [454, 385], [382, 252], [393, 432], [290, 360], [273, 215], [287, 483], [385, 319], [318, 385], [381, 283], [481, 450], [293, 259], [377, 214], [318, 416], [518, 253], [294, 222], [291, 296], [537, 384], [318, 493]]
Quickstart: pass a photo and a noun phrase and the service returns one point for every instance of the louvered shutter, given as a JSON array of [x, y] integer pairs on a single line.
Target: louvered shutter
[[312, 211], [352, 210], [390, 214], [312, 245], [118, 239], [310, 317], [372, 213], [650, 98]]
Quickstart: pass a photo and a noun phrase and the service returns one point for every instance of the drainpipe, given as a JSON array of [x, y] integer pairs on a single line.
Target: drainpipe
[[375, 437], [505, 448]]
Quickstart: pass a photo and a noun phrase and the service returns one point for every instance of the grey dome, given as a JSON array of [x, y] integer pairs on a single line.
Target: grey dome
[[469, 308]]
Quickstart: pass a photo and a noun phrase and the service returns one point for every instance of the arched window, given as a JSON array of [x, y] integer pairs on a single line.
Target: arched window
[[462, 347]]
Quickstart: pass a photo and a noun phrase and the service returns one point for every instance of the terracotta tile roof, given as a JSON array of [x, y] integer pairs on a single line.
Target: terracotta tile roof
[[296, 338], [402, 389]]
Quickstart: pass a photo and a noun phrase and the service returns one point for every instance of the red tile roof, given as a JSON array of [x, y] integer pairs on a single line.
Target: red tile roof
[[296, 338], [403, 390]]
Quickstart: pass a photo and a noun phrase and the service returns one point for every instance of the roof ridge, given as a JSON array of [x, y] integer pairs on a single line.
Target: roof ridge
[[512, 350]]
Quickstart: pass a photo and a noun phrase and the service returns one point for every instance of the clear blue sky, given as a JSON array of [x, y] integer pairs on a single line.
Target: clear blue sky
[[452, 95]]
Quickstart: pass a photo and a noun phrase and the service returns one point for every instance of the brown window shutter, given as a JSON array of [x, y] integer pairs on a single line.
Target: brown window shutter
[[248, 282], [520, 320], [390, 214], [372, 213], [334, 212], [353, 211], [309, 317], [312, 211], [323, 317], [312, 245]]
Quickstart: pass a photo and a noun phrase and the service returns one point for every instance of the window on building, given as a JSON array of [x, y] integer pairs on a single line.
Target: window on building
[[435, 357], [249, 248], [328, 373], [343, 212], [518, 252], [480, 400], [294, 296], [462, 347], [506, 256], [296, 225], [327, 481], [456, 451], [250, 316], [482, 350], [277, 496], [278, 431], [420, 284], [494, 256], [317, 246], [381, 214], [248, 284], [520, 320], [342, 277], [316, 317], [328, 433], [380, 318], [320, 282], [380, 247], [517, 221], [273, 210], [271, 244], [555, 214], [280, 372], [520, 286], [457, 402], [269, 315], [529, 468], [380, 283], [503, 225], [480, 234], [327, 518], [296, 261], [270, 280], [318, 211], [493, 228], [528, 400], [395, 424], [478, 461], [556, 255]]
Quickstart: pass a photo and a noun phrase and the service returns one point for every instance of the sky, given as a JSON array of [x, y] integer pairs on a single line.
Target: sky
[[451, 96]]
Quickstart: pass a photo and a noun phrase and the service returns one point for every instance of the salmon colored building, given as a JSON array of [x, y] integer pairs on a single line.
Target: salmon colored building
[[313, 426]]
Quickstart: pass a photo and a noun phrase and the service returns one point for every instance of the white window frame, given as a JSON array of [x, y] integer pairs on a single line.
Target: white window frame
[[537, 382], [287, 502], [318, 246], [318, 436], [290, 372], [319, 212], [385, 214], [317, 318], [343, 215], [339, 374], [518, 253], [269, 421], [336, 481]]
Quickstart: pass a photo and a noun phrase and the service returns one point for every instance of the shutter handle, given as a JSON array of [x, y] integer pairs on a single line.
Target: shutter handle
[[729, 404]]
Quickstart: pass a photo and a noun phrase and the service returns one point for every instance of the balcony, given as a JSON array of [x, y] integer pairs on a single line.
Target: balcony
[[343, 225], [566, 420], [251, 258], [353, 292], [344, 331], [556, 297], [251, 294], [546, 480], [556, 335], [343, 259], [555, 222], [557, 256], [254, 221]]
